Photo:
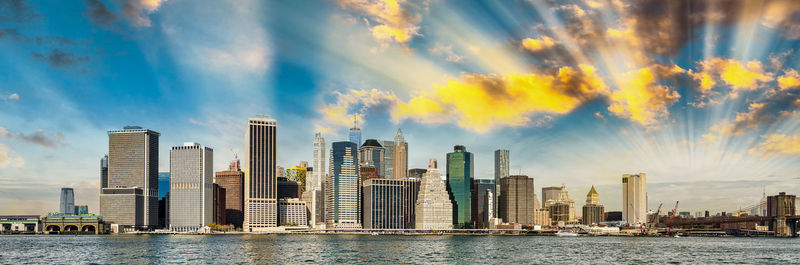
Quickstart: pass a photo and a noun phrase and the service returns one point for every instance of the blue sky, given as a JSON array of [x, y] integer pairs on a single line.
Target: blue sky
[[700, 95]]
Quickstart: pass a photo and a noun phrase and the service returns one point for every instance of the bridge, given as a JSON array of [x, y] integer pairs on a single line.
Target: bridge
[[782, 226]]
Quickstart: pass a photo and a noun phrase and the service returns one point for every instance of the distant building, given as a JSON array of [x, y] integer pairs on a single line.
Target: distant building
[[232, 181], [191, 191], [289, 189], [592, 211], [483, 191], [501, 168], [30, 224], [388, 158], [81, 209], [163, 184], [296, 174], [104, 172], [562, 208], [293, 212], [342, 195], [460, 173], [614, 216], [260, 174], [434, 210], [518, 199], [371, 154], [163, 211], [416, 173], [219, 204], [542, 217], [315, 202], [400, 156], [67, 205], [132, 179], [550, 193], [354, 136], [317, 191], [368, 172], [634, 198]]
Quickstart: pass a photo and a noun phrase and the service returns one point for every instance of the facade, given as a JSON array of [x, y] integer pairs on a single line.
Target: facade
[[564, 212], [416, 173], [315, 205], [342, 188], [388, 158], [81, 209], [634, 198], [219, 204], [400, 156], [191, 187], [559, 213], [460, 172], [232, 181], [319, 162], [67, 204], [517, 200], [260, 170], [592, 211], [542, 217], [434, 210], [501, 168], [293, 212], [132, 176], [296, 174], [289, 189], [550, 193], [384, 204], [371, 154], [104, 172], [20, 224], [367, 172], [483, 205], [85, 224]]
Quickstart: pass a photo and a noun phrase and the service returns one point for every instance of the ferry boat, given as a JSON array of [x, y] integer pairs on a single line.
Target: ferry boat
[[566, 233]]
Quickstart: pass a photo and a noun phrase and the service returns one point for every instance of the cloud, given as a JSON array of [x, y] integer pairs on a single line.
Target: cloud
[[642, 97], [12, 34], [18, 11], [736, 75], [540, 44], [39, 137], [59, 58], [395, 20], [14, 96], [138, 11], [776, 145], [6, 160], [790, 79], [98, 13], [352, 102], [483, 102], [782, 14], [446, 52]]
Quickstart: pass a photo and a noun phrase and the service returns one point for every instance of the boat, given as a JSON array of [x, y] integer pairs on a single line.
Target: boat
[[566, 233], [374, 233]]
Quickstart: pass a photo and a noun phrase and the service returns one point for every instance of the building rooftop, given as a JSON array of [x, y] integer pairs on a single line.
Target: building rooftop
[[372, 143]]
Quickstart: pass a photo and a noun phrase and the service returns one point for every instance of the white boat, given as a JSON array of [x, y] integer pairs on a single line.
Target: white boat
[[566, 233]]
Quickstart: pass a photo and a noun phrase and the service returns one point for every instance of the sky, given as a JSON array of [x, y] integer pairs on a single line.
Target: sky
[[702, 96]]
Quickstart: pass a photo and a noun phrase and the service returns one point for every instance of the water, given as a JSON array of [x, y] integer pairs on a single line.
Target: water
[[365, 249]]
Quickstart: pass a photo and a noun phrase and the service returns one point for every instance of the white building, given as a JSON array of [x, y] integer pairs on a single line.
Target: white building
[[434, 210], [293, 212], [260, 179], [634, 198], [191, 181]]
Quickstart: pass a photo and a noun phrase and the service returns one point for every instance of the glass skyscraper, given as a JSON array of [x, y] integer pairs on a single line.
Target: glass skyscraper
[[67, 201], [343, 199], [460, 172], [501, 162]]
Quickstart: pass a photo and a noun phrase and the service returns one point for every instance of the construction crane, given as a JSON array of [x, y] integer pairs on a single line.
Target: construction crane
[[675, 210]]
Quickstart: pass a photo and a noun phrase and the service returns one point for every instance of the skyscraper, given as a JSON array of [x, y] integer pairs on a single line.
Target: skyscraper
[[386, 203], [501, 166], [388, 158], [342, 188], [232, 181], [319, 162], [104, 172], [131, 198], [355, 133], [192, 191], [549, 194], [592, 211], [296, 174], [518, 199], [434, 210], [371, 154], [460, 172], [260, 180], [483, 203], [400, 157], [67, 205], [634, 198]]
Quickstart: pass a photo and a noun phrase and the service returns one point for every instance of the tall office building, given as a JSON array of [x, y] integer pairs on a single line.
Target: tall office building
[[319, 162], [371, 154], [260, 180], [562, 208], [634, 198], [416, 173], [549, 194], [518, 199], [191, 187], [434, 210], [460, 172], [355, 133], [232, 181], [388, 158], [483, 203], [501, 167], [67, 205], [384, 204], [104, 172], [297, 174], [400, 157], [342, 188], [592, 211], [131, 198], [219, 204]]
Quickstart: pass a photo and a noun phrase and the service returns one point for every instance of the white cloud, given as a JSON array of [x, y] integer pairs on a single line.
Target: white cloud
[[14, 96], [7, 160]]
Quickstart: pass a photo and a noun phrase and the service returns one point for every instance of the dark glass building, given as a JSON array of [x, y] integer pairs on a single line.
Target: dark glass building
[[460, 172], [342, 188], [483, 191]]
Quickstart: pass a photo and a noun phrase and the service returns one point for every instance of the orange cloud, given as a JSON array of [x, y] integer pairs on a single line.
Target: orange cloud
[[483, 102], [641, 98], [737, 74], [790, 79], [540, 44], [352, 102], [777, 144], [395, 23]]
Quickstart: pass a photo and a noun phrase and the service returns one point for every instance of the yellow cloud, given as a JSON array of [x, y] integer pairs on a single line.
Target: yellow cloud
[[790, 79], [738, 74], [483, 102], [349, 103], [641, 98], [540, 44], [395, 23], [777, 144]]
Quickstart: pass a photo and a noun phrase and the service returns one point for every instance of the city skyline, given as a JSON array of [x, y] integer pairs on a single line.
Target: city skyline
[[716, 125]]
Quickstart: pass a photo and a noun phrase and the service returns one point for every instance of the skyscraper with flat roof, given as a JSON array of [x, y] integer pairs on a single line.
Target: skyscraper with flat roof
[[232, 180], [400, 157], [132, 166], [518, 199], [260, 179], [483, 202], [460, 172], [67, 205], [342, 188], [501, 167], [634, 198], [192, 191]]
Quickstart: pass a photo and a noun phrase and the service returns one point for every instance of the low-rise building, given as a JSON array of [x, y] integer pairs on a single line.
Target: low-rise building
[[14, 224], [86, 224], [292, 212]]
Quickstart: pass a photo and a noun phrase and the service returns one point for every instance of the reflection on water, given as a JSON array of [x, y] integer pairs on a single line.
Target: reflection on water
[[364, 249]]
